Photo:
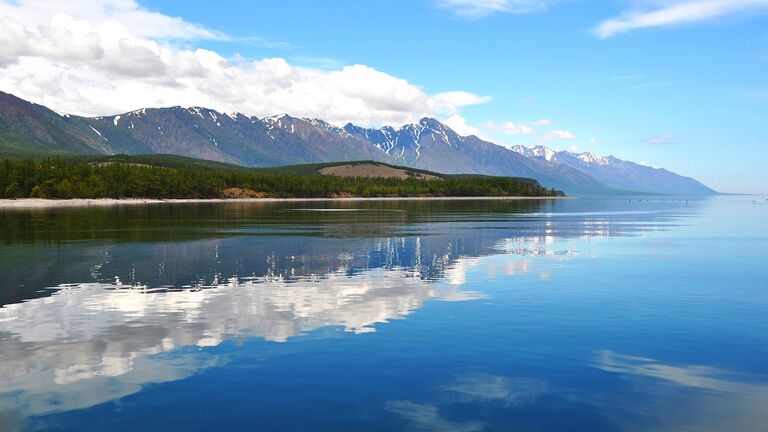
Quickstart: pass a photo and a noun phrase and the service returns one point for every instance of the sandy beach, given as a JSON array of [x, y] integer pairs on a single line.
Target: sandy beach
[[27, 203]]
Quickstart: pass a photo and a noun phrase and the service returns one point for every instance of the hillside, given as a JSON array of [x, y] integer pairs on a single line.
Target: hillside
[[174, 177]]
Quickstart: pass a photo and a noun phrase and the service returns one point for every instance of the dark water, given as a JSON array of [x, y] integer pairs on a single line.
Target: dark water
[[578, 315]]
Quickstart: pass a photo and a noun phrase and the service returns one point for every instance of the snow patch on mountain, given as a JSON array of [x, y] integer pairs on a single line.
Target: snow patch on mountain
[[138, 112], [590, 158], [196, 110], [538, 151], [97, 132]]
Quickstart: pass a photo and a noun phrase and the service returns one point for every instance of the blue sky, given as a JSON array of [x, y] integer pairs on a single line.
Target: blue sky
[[675, 84]]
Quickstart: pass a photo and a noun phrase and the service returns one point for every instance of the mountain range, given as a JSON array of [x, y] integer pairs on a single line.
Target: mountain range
[[28, 129]]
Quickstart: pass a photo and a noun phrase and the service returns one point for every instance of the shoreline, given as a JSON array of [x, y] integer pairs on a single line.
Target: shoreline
[[32, 203]]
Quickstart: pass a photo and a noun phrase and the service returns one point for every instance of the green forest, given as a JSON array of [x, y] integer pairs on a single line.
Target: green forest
[[62, 178]]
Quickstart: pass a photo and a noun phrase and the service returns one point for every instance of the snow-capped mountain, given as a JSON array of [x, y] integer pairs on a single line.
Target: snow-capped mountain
[[405, 143], [539, 151], [619, 174], [282, 140]]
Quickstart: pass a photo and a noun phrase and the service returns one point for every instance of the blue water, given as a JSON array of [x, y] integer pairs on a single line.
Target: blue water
[[614, 314]]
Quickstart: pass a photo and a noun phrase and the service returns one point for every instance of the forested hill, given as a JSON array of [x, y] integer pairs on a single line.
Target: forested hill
[[166, 177]]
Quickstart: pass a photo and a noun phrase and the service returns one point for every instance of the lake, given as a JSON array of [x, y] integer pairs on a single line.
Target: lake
[[591, 314]]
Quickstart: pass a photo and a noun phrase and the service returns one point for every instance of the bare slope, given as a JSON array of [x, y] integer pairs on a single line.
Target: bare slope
[[374, 170]]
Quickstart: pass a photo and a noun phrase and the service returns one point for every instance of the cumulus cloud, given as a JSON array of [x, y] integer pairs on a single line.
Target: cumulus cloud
[[558, 134], [110, 56], [460, 126], [475, 9], [674, 13], [529, 129], [141, 21]]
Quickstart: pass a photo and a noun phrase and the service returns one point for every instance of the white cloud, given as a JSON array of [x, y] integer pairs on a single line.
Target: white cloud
[[141, 21], [475, 9], [529, 129], [110, 56], [661, 139], [460, 126], [558, 134], [461, 98], [674, 13], [511, 128], [592, 141]]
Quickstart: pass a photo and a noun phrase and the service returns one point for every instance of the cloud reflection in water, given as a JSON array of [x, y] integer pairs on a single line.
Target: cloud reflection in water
[[97, 331]]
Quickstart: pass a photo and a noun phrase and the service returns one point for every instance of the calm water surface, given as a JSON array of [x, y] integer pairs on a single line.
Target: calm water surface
[[577, 315]]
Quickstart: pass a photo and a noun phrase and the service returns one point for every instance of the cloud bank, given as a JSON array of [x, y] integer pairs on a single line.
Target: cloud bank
[[111, 56]]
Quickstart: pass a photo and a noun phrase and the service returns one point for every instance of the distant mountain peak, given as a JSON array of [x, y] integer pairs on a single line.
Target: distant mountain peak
[[537, 151], [432, 123], [236, 115], [137, 113], [620, 174]]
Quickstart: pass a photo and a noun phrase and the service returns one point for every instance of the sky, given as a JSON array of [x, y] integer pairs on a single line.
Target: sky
[[679, 84]]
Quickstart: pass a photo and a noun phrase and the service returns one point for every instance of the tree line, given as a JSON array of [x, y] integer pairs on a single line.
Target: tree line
[[60, 178]]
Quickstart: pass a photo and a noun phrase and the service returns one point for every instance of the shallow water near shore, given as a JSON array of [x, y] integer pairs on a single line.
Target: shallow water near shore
[[592, 314]]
